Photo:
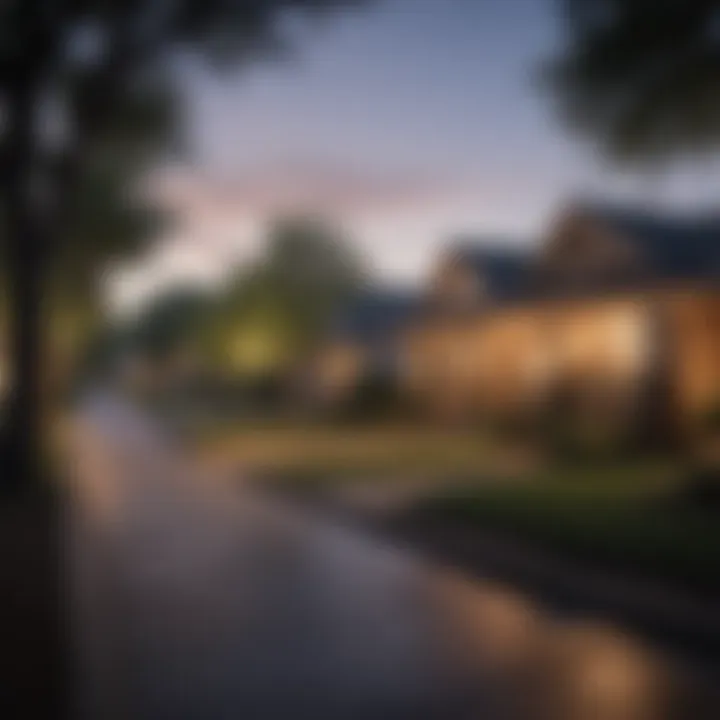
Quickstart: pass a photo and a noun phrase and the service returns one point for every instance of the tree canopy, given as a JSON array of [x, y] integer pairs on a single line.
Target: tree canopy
[[641, 77], [277, 307], [69, 71], [172, 321]]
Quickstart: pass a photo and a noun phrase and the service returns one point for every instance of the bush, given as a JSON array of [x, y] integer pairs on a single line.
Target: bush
[[710, 420], [573, 431], [702, 488], [512, 427], [376, 397]]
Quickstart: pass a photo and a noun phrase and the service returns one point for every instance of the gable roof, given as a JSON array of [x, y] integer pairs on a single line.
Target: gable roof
[[503, 269], [673, 246]]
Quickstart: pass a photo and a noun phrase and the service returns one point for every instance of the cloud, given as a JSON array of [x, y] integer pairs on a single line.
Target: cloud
[[398, 217], [300, 185]]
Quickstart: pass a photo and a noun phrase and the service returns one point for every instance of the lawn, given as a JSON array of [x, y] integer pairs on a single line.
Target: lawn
[[632, 517], [627, 515], [335, 454]]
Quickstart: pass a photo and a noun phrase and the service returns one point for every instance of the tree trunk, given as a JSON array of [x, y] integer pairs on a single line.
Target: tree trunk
[[25, 228], [24, 431]]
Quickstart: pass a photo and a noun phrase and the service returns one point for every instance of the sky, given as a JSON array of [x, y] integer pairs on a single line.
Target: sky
[[407, 122]]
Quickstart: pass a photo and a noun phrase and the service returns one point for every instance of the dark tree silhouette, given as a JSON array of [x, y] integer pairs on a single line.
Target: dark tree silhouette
[[68, 69], [171, 321], [641, 77]]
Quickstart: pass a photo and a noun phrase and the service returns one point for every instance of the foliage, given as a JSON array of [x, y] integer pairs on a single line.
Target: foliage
[[69, 72], [376, 398], [641, 77], [108, 217], [626, 517], [702, 487], [265, 319], [711, 419], [573, 430], [275, 310], [171, 321]]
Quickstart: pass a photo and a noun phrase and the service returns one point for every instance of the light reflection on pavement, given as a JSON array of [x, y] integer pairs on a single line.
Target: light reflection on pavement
[[193, 599]]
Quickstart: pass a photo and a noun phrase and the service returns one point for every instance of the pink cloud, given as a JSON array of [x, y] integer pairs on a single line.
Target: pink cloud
[[300, 185]]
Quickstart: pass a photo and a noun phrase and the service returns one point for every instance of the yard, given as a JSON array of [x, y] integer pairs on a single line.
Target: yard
[[634, 518], [331, 454]]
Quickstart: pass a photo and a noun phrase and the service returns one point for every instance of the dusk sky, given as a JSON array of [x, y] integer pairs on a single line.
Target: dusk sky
[[408, 122]]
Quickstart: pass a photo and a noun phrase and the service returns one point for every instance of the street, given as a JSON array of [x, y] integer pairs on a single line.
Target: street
[[190, 597]]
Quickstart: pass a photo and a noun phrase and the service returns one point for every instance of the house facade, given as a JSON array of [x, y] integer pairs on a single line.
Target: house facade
[[615, 318]]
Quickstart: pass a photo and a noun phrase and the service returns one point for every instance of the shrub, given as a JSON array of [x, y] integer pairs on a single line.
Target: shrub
[[702, 487], [574, 430], [710, 420], [376, 397]]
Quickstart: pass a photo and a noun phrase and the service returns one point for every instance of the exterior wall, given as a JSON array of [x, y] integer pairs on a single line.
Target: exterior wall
[[602, 357], [510, 364], [694, 323], [629, 359], [429, 366], [337, 371]]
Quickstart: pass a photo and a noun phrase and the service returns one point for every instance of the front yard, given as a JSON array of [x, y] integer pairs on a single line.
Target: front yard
[[330, 455], [633, 516]]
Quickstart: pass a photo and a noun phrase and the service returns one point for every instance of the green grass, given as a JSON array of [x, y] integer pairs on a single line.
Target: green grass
[[631, 517], [336, 453], [628, 514]]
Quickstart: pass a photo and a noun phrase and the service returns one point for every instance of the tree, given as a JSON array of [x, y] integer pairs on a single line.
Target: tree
[[313, 268], [68, 70], [276, 309], [110, 220], [642, 77], [171, 322]]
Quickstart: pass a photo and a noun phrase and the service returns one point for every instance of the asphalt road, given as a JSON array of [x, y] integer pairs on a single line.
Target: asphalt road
[[189, 597]]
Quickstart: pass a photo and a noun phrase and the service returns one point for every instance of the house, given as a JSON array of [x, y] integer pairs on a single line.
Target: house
[[615, 316], [441, 348], [656, 280], [361, 341], [594, 249], [612, 320], [477, 273]]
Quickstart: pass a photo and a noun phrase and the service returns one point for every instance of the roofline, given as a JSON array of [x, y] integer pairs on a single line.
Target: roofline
[[656, 292]]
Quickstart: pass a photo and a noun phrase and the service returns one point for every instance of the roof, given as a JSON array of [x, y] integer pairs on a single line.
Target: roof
[[674, 246], [374, 315], [503, 269]]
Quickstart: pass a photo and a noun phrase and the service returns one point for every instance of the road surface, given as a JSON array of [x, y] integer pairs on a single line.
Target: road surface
[[191, 598]]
